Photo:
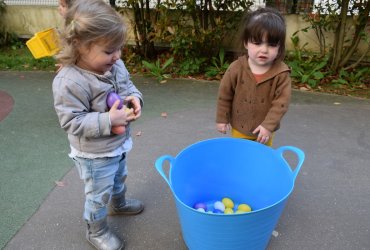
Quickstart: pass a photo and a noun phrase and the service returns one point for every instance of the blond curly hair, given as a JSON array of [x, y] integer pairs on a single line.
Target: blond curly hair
[[90, 22]]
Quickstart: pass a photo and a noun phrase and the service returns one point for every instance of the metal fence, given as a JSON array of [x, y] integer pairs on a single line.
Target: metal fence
[[291, 7], [285, 6], [32, 2]]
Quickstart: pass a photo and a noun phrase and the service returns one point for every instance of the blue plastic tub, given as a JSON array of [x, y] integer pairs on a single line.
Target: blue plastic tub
[[240, 169]]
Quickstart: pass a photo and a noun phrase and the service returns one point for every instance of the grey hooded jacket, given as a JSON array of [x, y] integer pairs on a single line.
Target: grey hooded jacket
[[80, 104]]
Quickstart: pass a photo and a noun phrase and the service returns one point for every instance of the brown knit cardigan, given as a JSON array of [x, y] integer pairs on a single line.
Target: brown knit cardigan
[[246, 104]]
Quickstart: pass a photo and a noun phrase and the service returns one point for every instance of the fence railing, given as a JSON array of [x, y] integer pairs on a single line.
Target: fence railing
[[285, 6], [32, 2]]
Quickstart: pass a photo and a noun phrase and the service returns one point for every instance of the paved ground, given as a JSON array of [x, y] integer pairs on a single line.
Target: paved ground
[[329, 208]]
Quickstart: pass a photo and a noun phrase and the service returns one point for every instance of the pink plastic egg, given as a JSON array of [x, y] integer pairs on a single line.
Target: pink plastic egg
[[118, 130]]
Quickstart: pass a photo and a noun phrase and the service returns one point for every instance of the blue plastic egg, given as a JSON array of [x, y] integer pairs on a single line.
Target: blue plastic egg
[[217, 211]]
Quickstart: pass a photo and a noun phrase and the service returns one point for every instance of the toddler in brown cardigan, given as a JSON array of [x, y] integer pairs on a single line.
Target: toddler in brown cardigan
[[255, 91]]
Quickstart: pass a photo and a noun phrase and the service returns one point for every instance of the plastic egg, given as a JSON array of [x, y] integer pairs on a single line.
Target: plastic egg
[[217, 211], [118, 130], [219, 205], [201, 210], [129, 110], [112, 98], [244, 208], [228, 202], [228, 211], [200, 205]]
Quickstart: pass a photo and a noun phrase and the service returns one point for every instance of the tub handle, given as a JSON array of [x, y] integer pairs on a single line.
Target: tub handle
[[300, 155], [159, 166]]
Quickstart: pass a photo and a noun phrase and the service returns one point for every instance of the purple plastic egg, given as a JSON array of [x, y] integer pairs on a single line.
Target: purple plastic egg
[[112, 98], [200, 205]]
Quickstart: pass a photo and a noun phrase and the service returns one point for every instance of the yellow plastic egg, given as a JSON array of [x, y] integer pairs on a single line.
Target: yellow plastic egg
[[244, 208], [228, 211], [228, 202], [128, 110]]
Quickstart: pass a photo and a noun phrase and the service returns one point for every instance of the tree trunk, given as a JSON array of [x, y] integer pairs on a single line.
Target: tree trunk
[[339, 37], [342, 54], [359, 28]]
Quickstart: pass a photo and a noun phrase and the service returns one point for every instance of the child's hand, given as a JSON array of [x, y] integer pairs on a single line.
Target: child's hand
[[130, 114], [222, 127], [134, 103], [119, 130], [264, 135], [120, 116]]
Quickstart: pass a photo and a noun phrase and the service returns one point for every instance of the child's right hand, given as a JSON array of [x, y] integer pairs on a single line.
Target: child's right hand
[[120, 117], [222, 127]]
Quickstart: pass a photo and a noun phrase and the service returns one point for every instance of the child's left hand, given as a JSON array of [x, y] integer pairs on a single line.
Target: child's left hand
[[264, 135], [134, 102]]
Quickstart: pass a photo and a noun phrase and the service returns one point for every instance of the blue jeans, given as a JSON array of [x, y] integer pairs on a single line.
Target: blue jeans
[[103, 177]]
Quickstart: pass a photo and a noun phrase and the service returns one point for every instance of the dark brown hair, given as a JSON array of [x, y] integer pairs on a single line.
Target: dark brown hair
[[265, 23]]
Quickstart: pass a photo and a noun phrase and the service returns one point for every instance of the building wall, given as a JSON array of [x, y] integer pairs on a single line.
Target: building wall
[[24, 21]]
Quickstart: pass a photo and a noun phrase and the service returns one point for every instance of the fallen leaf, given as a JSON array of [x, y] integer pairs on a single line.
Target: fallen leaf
[[171, 30], [59, 183], [362, 86], [307, 86], [163, 81], [164, 114], [138, 133], [275, 233], [304, 88]]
